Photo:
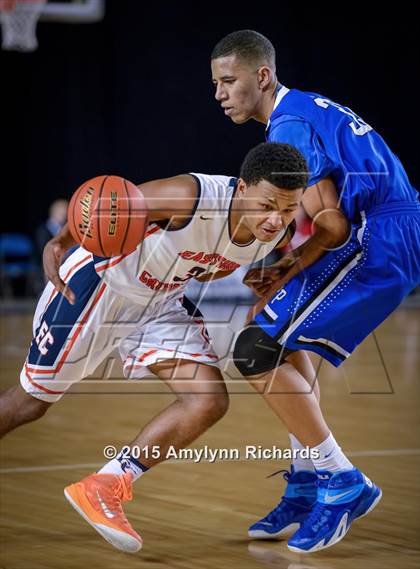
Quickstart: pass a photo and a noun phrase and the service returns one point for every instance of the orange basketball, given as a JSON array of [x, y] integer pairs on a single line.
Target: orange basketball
[[107, 216]]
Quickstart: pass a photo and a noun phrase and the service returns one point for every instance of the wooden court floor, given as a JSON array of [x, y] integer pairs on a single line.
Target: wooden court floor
[[196, 514]]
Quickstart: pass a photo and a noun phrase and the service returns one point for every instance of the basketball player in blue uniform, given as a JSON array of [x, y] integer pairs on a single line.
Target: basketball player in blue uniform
[[332, 291]]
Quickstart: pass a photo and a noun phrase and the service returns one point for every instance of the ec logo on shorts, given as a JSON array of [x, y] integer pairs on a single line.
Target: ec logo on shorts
[[44, 337]]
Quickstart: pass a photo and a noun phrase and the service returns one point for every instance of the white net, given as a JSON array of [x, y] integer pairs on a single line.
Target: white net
[[18, 20]]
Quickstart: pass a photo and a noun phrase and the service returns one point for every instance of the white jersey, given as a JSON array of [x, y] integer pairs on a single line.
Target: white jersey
[[166, 259]]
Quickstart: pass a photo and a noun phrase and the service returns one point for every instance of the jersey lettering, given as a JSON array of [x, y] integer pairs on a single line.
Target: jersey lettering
[[358, 125], [44, 338]]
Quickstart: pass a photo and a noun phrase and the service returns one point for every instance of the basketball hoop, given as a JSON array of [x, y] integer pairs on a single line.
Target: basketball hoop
[[18, 20]]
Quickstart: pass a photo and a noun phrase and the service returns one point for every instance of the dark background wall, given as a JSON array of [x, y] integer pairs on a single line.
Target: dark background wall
[[132, 95]]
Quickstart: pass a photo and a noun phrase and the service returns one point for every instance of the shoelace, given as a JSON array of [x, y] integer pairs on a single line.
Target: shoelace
[[273, 515], [122, 488], [284, 501], [277, 510], [286, 474], [121, 492], [318, 516]]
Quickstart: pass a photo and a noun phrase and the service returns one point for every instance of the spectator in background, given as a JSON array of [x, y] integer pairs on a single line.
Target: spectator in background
[[57, 217]]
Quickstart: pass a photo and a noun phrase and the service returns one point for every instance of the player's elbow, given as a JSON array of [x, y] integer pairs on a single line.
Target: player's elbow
[[332, 227], [340, 233]]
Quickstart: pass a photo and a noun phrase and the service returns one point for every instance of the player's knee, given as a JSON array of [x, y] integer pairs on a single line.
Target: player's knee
[[18, 408], [28, 408], [210, 407], [215, 406], [36, 409], [256, 352]]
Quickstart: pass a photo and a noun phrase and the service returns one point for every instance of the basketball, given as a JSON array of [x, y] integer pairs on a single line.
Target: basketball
[[107, 215]]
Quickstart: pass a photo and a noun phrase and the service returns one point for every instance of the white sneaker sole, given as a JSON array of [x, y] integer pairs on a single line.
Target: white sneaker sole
[[119, 539]]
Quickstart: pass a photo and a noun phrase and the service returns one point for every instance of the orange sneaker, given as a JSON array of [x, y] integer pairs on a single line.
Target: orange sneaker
[[97, 498]]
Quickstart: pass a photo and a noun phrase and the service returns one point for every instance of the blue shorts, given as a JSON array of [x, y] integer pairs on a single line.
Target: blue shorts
[[335, 303]]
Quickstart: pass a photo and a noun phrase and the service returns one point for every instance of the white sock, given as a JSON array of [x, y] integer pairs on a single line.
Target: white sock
[[331, 457], [122, 464], [299, 463]]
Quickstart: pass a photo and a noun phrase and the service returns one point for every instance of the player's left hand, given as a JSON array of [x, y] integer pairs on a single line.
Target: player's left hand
[[260, 280], [270, 291], [52, 255]]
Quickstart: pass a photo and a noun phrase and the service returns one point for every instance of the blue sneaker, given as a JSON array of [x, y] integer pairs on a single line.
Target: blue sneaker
[[342, 498], [294, 507]]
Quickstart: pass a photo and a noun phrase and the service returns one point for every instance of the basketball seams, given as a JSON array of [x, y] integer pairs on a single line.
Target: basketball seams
[[71, 224], [98, 222], [106, 236], [129, 215], [71, 218]]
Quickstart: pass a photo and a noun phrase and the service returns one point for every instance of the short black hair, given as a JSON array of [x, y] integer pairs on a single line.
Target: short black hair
[[280, 164], [247, 45]]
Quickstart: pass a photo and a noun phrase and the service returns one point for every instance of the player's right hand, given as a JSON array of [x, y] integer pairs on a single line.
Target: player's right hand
[[53, 253], [260, 280]]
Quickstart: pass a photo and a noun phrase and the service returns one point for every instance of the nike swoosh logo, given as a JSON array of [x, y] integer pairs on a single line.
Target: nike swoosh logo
[[204, 218], [331, 499], [105, 508]]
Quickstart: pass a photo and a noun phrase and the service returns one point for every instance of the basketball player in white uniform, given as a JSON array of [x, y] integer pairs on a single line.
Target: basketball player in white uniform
[[201, 227]]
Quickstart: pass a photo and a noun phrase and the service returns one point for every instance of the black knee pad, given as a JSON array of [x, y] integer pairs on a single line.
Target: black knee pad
[[255, 352]]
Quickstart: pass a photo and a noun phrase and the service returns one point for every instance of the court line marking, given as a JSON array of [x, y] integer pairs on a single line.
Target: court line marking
[[390, 452], [55, 467], [15, 524]]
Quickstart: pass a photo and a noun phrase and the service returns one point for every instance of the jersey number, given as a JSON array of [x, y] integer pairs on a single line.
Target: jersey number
[[194, 272], [357, 125]]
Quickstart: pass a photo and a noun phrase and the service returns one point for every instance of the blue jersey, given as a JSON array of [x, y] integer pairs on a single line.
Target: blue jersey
[[338, 143]]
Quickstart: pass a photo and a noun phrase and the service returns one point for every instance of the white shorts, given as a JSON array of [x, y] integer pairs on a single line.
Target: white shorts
[[71, 341]]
